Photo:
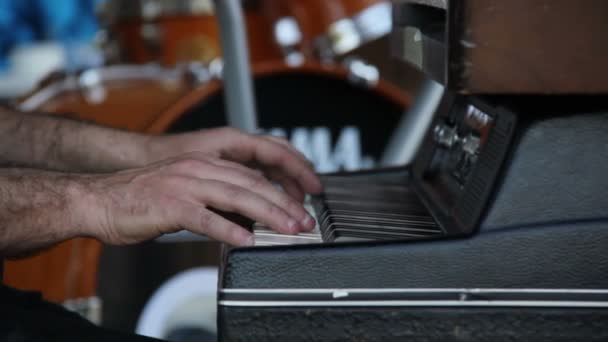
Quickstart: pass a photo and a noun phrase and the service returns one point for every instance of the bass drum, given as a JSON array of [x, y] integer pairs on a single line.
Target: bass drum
[[177, 31], [334, 117], [326, 29], [125, 97]]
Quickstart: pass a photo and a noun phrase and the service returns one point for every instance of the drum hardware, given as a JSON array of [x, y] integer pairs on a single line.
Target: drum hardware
[[174, 31], [288, 36], [91, 87], [327, 29], [374, 22], [90, 83], [360, 72], [216, 68], [238, 84], [343, 37], [347, 34], [198, 73]]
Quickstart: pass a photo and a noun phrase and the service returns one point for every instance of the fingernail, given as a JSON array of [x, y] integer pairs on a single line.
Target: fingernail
[[308, 222], [250, 241], [292, 225]]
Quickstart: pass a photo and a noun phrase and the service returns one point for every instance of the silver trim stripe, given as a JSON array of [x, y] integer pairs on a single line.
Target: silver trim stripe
[[436, 297], [414, 290], [415, 303]]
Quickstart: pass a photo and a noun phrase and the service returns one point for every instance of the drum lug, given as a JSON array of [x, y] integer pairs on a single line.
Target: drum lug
[[197, 73], [91, 87], [374, 22], [288, 36], [362, 73], [341, 38], [216, 68]]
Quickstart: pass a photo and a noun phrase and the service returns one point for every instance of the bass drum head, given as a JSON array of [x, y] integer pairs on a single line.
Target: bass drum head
[[339, 124]]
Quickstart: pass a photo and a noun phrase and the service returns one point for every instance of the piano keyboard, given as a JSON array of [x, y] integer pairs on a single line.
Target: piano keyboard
[[350, 210], [266, 237]]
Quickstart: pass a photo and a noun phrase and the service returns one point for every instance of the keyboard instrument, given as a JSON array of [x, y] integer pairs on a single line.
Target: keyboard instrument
[[498, 227], [384, 205], [478, 225], [351, 210]]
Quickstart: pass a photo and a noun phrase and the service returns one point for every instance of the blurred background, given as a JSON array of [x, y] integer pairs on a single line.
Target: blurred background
[[43, 36], [323, 77]]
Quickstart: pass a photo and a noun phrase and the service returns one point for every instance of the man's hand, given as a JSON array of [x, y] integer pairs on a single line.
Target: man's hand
[[275, 157], [160, 191], [179, 193]]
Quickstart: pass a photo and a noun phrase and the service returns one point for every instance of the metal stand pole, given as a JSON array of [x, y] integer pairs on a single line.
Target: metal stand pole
[[412, 128], [238, 83]]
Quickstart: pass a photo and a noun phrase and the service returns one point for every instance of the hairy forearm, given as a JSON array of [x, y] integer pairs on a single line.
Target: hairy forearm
[[39, 209], [49, 142]]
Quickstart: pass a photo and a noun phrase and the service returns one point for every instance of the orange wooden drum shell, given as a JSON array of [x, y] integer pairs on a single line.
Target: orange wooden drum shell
[[354, 7], [314, 17], [128, 106], [191, 38], [60, 273]]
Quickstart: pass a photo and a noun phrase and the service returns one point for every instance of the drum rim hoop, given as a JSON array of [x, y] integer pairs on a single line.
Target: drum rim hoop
[[72, 82]]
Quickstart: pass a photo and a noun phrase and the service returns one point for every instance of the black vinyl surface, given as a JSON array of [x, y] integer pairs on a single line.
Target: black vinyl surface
[[413, 324], [546, 227], [541, 256]]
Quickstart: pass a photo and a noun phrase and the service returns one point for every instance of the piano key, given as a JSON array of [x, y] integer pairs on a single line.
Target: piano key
[[266, 237], [349, 211]]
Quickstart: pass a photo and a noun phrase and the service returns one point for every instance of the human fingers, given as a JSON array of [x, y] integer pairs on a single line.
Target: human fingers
[[291, 187], [253, 181], [270, 154], [284, 142], [200, 220], [232, 198]]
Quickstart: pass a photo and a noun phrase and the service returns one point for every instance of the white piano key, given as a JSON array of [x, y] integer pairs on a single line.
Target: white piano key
[[266, 237]]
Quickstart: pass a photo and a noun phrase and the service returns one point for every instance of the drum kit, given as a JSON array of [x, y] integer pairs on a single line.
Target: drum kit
[[164, 74]]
